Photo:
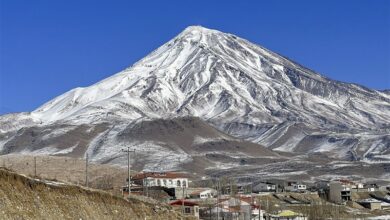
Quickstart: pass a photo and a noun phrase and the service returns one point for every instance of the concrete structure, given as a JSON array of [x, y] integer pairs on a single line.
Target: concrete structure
[[372, 204], [339, 192]]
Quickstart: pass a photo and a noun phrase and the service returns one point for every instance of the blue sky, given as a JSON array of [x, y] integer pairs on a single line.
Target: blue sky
[[50, 47]]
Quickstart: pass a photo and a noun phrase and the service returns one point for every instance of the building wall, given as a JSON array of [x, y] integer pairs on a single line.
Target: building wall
[[375, 206], [295, 187], [335, 190], [193, 210], [179, 193], [208, 194], [166, 182]]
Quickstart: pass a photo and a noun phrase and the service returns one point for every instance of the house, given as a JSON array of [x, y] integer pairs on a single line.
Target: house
[[264, 187], [371, 187], [163, 179], [186, 207], [257, 212], [236, 208], [201, 193], [354, 186], [372, 204], [339, 192], [383, 188], [295, 187], [385, 200]]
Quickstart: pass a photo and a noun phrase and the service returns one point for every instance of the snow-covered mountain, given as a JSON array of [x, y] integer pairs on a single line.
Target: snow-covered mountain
[[240, 88], [213, 75]]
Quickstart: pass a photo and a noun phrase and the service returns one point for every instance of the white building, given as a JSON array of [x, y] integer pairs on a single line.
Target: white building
[[202, 193], [295, 187], [163, 179]]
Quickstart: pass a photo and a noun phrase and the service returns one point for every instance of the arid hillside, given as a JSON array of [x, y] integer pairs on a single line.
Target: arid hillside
[[69, 170], [22, 197]]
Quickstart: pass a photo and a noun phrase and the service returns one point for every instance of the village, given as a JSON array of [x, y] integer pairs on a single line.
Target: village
[[212, 197], [223, 198]]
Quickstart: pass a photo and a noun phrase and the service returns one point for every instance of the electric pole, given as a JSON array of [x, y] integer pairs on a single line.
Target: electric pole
[[128, 168], [35, 166], [86, 170], [182, 202], [218, 188]]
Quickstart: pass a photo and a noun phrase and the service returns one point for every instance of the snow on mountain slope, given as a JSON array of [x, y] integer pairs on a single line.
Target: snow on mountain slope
[[240, 88], [213, 75]]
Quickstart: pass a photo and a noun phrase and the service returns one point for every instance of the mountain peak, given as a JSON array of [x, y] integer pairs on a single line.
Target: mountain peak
[[239, 87], [197, 30], [205, 67]]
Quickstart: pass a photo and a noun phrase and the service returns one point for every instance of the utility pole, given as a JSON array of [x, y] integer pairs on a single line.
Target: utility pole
[[128, 168], [128, 171], [182, 202], [218, 188], [86, 170], [35, 166], [259, 208], [147, 187]]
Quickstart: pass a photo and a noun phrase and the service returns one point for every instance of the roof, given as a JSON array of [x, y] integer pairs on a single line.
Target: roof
[[183, 202], [370, 200], [162, 175], [263, 182], [287, 213], [199, 191], [346, 181], [238, 199]]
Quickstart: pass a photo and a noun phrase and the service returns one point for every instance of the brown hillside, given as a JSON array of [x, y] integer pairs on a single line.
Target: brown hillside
[[26, 198]]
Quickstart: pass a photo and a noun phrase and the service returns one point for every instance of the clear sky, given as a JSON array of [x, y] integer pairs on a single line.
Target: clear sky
[[49, 47]]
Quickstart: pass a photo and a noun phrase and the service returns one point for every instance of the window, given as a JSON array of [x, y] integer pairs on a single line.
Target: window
[[165, 182], [184, 183], [158, 182], [187, 210], [178, 183]]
